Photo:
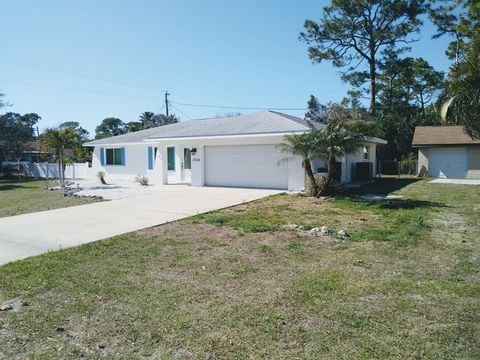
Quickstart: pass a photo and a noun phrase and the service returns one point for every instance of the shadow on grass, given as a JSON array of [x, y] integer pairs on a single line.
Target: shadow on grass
[[391, 204], [13, 187], [17, 183], [408, 204], [382, 186]]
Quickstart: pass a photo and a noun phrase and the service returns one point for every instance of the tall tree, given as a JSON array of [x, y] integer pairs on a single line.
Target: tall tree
[[15, 132], [147, 120], [462, 93], [457, 18], [110, 127], [75, 125], [133, 126], [316, 111], [160, 119], [59, 140], [407, 92], [355, 31]]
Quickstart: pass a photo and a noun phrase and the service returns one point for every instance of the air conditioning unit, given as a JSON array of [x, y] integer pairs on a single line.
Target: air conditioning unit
[[363, 171]]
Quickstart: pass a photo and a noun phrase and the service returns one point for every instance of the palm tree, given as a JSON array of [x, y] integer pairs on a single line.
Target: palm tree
[[301, 145], [409, 161], [336, 140], [59, 140], [147, 120], [462, 95]]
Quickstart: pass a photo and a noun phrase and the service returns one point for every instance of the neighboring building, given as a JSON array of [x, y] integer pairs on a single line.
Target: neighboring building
[[446, 152], [235, 151]]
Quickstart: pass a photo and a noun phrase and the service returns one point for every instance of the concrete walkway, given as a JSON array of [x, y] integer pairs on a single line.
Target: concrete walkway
[[26, 235]]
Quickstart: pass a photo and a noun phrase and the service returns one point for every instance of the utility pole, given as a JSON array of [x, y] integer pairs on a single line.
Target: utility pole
[[166, 102]]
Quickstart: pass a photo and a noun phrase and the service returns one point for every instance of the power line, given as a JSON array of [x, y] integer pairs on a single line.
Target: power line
[[238, 107], [149, 98], [181, 112], [81, 75], [44, 68], [81, 90]]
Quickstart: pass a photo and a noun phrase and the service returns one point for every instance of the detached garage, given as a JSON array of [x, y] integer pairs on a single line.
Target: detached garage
[[447, 152]]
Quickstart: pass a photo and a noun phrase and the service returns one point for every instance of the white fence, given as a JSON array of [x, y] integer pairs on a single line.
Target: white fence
[[50, 171]]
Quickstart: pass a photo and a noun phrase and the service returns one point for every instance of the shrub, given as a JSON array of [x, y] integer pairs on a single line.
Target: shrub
[[101, 177], [142, 180]]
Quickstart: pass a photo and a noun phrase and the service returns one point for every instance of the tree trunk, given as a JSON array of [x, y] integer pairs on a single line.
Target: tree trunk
[[331, 169], [60, 168], [373, 85], [60, 171], [308, 170]]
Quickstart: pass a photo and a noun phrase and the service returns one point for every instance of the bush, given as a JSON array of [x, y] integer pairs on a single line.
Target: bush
[[142, 180], [101, 177]]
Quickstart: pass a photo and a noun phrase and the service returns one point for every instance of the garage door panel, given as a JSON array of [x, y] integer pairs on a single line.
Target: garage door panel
[[245, 166], [448, 162]]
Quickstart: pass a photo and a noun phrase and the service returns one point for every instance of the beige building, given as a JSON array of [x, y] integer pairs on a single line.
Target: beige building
[[446, 152]]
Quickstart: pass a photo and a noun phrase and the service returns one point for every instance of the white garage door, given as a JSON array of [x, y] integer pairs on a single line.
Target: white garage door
[[253, 166], [448, 162]]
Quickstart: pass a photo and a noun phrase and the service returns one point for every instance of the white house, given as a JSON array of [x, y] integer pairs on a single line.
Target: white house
[[234, 151]]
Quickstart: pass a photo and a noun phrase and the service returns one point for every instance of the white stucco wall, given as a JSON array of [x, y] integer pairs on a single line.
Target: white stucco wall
[[136, 163], [296, 175], [136, 160]]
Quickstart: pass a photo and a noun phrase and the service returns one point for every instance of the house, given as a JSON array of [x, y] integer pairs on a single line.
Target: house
[[234, 151], [446, 152]]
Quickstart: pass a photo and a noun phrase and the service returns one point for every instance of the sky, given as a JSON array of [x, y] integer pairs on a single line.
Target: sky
[[203, 52]]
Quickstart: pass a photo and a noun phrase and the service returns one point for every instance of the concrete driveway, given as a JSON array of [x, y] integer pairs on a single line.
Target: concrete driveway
[[26, 235]]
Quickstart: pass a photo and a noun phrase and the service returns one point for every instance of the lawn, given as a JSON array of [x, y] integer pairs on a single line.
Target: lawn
[[237, 284], [26, 196]]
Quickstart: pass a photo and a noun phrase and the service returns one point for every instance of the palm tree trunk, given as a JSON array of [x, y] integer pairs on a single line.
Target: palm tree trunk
[[308, 170], [330, 169], [60, 171], [60, 168]]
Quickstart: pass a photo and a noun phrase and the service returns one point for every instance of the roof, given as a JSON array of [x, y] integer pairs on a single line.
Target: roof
[[262, 122], [441, 135]]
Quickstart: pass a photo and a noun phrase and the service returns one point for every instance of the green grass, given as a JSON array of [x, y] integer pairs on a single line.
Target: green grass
[[26, 196], [406, 284]]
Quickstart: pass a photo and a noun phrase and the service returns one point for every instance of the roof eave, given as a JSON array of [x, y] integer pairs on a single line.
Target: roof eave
[[226, 136]]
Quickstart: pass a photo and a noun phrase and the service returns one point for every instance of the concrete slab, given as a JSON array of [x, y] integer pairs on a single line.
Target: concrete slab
[[456, 181], [26, 235]]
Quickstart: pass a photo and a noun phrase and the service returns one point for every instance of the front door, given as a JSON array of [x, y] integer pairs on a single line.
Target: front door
[[187, 165]]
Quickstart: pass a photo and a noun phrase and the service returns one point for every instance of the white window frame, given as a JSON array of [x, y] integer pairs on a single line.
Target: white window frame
[[366, 152]]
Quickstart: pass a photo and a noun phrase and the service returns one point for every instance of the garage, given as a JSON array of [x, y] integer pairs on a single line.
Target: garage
[[448, 162], [255, 166]]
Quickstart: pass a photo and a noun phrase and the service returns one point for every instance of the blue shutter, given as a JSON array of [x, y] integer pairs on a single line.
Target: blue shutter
[[122, 156], [150, 158], [102, 156]]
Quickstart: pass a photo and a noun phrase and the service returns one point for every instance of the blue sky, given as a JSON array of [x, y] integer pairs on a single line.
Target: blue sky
[[219, 52]]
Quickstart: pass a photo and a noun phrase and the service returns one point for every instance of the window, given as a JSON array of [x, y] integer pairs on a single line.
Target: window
[[187, 159], [171, 158], [114, 156], [155, 149], [366, 152]]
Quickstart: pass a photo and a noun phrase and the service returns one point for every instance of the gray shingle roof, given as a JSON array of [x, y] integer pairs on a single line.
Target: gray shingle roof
[[262, 122]]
